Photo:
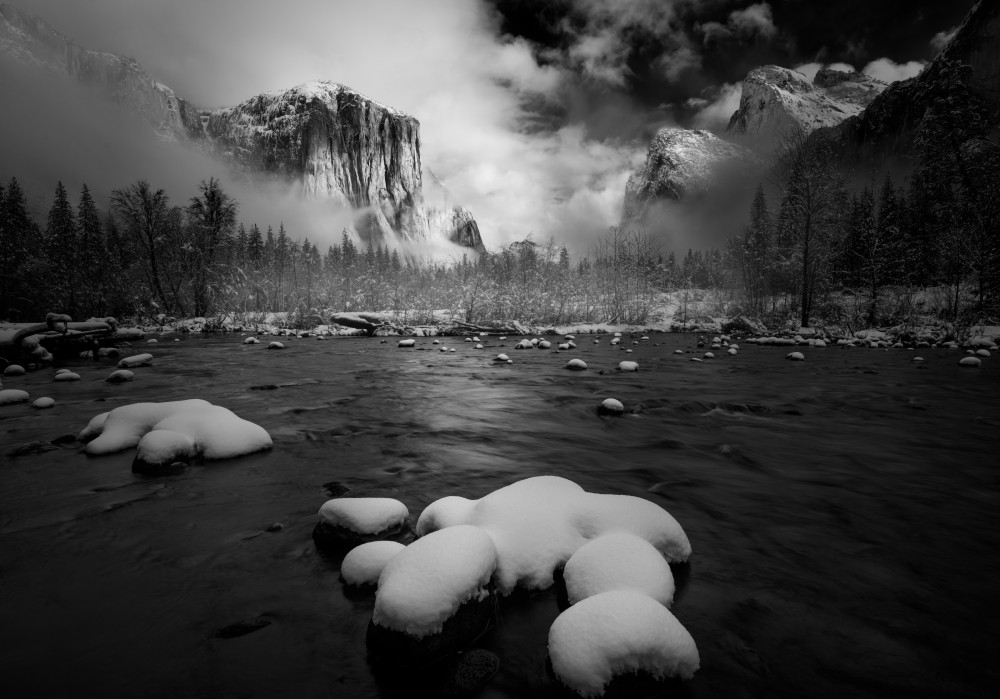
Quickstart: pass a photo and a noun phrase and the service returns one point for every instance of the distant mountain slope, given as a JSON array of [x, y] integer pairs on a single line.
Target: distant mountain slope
[[887, 128], [30, 40]]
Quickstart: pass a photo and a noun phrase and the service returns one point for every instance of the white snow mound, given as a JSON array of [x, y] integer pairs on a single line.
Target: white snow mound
[[618, 562], [538, 523], [217, 433], [367, 516], [618, 632], [364, 564], [135, 360], [9, 396], [423, 585]]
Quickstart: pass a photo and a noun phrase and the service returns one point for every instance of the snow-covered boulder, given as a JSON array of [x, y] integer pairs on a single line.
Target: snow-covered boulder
[[524, 344], [611, 406], [502, 358], [66, 376], [364, 564], [135, 360], [795, 356], [568, 515], [709, 355], [544, 344], [43, 403], [357, 520], [10, 396], [983, 352], [618, 632], [251, 341], [576, 365], [275, 345], [120, 376], [970, 362], [618, 561], [14, 370], [628, 366], [407, 343], [216, 432], [163, 451], [433, 596]]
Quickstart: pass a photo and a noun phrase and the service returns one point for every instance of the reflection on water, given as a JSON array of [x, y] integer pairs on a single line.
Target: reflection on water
[[844, 514]]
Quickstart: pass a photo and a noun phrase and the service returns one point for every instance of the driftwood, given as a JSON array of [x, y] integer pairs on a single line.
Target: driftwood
[[512, 327], [26, 338]]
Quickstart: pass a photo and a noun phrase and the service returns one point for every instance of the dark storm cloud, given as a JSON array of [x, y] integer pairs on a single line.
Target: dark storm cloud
[[666, 52]]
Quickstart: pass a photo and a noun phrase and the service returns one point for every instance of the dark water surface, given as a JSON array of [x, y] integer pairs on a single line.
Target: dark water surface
[[844, 514]]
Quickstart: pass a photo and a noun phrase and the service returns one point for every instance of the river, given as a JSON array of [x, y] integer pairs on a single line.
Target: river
[[844, 513]]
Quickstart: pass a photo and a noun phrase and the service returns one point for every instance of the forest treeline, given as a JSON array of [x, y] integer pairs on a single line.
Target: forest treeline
[[817, 250]]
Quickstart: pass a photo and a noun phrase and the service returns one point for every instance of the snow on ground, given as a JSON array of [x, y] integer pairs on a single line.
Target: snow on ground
[[538, 523], [368, 516], [423, 585], [614, 633], [216, 432]]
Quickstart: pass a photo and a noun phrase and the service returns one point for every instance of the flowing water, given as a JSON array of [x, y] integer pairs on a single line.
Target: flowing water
[[844, 514]]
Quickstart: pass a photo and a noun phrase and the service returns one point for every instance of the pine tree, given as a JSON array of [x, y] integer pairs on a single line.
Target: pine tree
[[753, 253], [61, 254], [212, 217], [93, 255]]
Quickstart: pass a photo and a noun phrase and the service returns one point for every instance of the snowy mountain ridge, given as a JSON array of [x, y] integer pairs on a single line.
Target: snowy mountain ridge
[[779, 104]]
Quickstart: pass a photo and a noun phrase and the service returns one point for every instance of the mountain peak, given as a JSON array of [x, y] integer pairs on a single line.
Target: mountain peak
[[779, 104]]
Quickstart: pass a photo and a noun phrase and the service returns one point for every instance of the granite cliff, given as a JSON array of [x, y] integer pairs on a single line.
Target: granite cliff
[[333, 143], [682, 164]]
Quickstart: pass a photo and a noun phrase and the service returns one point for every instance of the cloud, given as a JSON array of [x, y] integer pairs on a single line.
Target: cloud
[[601, 57], [443, 61], [809, 70], [943, 38], [755, 20], [746, 24], [842, 67], [714, 114], [887, 70]]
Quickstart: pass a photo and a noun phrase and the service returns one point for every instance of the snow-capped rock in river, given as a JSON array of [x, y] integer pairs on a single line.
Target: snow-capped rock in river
[[30, 40], [779, 104]]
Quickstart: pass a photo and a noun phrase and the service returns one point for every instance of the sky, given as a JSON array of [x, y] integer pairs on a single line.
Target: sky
[[533, 112]]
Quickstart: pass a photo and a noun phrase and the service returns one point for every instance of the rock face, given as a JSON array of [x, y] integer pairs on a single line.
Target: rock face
[[779, 104], [683, 164], [335, 143], [888, 126], [30, 40]]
